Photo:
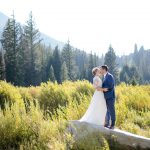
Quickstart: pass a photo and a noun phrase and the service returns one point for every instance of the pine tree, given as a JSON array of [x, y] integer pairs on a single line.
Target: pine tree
[[49, 59], [81, 63], [20, 59], [51, 74], [129, 75], [95, 57], [102, 59], [64, 72], [135, 55], [90, 67], [84, 68], [2, 65], [57, 64], [68, 57], [43, 61], [124, 74], [32, 67], [125, 78], [110, 61], [10, 43]]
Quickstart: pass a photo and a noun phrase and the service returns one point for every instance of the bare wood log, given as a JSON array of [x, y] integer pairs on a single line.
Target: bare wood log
[[81, 129]]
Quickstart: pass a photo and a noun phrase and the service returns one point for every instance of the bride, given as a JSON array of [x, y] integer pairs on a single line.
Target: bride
[[96, 112]]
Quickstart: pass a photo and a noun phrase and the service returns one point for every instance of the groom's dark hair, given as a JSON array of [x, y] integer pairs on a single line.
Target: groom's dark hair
[[105, 67]]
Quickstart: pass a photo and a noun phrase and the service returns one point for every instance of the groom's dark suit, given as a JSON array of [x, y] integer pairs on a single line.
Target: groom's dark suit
[[109, 83]]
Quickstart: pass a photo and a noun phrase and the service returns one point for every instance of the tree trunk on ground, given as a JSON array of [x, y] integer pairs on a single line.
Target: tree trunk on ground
[[117, 139]]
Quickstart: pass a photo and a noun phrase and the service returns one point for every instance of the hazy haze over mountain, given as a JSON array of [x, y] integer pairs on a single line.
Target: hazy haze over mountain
[[89, 24], [45, 38]]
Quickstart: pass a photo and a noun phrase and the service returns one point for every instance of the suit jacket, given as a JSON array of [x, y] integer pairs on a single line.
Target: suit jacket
[[109, 83]]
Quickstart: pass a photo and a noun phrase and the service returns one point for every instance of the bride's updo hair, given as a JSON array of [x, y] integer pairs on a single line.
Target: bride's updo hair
[[94, 70]]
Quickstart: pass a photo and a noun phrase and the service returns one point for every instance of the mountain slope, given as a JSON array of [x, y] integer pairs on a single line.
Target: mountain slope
[[47, 40], [3, 20]]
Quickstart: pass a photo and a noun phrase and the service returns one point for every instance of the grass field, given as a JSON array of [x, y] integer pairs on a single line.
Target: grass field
[[36, 117]]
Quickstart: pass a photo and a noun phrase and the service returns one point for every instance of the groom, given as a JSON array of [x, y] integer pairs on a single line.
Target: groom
[[109, 83]]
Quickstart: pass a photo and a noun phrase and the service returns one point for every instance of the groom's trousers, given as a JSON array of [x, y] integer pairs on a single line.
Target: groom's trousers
[[111, 115]]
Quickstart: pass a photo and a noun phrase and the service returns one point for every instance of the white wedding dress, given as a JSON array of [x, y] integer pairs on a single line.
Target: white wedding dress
[[96, 112]]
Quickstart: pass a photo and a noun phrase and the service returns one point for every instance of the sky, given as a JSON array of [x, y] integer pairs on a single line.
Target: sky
[[91, 25]]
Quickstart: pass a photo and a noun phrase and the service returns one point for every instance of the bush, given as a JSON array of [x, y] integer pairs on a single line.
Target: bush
[[54, 95], [29, 130], [9, 94], [133, 109], [32, 128]]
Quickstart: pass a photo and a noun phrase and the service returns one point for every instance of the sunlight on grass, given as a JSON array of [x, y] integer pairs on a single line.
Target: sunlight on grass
[[36, 117]]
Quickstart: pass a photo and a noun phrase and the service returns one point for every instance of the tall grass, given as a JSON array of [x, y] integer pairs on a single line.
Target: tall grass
[[31, 130], [36, 117]]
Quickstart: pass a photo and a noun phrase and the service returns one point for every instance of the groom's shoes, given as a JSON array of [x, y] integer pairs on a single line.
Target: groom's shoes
[[112, 127], [106, 126], [109, 127]]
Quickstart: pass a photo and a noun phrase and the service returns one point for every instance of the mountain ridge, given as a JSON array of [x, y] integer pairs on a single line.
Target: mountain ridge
[[46, 39]]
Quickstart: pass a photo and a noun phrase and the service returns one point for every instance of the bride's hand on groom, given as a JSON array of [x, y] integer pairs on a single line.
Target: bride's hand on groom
[[102, 89], [105, 89]]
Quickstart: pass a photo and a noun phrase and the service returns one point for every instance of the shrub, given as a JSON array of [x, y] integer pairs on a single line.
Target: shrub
[[29, 130], [34, 129], [52, 96], [9, 94]]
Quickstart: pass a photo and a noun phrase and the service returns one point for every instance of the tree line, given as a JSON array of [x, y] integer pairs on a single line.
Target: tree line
[[135, 67], [25, 60]]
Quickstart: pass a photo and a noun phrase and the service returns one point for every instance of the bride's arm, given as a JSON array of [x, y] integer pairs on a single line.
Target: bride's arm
[[95, 84], [102, 89]]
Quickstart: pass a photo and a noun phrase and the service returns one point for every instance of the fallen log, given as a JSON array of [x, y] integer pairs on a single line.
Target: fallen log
[[125, 139]]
